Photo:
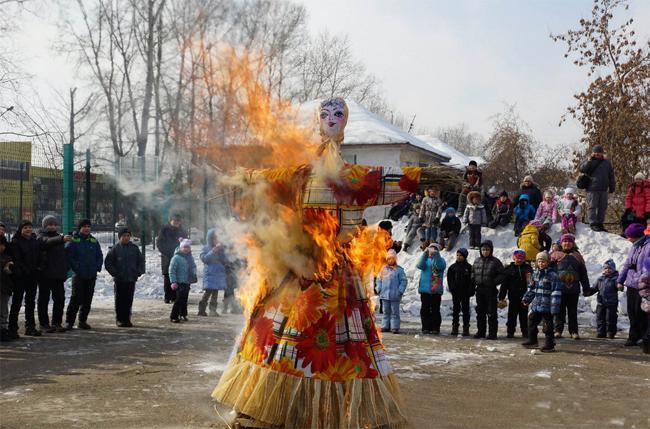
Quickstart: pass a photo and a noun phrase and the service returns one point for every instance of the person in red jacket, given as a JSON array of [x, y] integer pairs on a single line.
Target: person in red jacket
[[637, 202]]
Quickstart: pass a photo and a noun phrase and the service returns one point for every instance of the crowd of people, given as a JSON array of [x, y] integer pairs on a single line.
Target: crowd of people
[[541, 284], [543, 281], [34, 268]]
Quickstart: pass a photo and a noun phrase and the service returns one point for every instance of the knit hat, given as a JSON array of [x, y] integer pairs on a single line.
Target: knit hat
[[122, 231], [548, 193], [639, 176], [472, 195], [542, 256], [472, 162], [386, 225], [435, 246], [568, 237], [503, 194], [450, 211], [598, 148], [391, 253], [488, 244], [463, 252], [492, 190], [518, 252], [175, 216], [186, 242], [569, 190], [528, 178], [634, 231], [609, 264], [49, 220], [83, 222], [23, 224], [536, 223]]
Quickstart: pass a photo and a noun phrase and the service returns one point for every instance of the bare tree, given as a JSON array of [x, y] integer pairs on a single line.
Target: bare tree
[[460, 138]]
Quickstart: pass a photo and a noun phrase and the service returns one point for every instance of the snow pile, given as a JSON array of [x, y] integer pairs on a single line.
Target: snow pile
[[150, 285], [596, 248]]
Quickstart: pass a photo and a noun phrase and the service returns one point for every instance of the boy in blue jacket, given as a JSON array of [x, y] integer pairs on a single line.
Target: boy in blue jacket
[[182, 273], [391, 284], [215, 279], [607, 308], [84, 255], [543, 298], [524, 213]]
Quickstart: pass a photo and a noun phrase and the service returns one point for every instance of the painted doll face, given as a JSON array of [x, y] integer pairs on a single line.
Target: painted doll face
[[333, 118]]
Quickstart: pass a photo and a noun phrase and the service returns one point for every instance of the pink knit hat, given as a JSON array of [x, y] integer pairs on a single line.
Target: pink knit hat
[[186, 243]]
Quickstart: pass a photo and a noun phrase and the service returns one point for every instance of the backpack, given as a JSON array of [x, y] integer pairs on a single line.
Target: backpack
[[584, 180]]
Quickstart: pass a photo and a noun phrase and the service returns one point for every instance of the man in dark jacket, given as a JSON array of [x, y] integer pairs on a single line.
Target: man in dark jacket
[[167, 244], [459, 279], [571, 269], [487, 274], [602, 182], [530, 188], [517, 276], [125, 263], [84, 254], [52, 276], [26, 254]]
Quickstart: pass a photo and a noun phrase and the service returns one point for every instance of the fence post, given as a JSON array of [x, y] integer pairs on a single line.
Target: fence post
[[68, 158], [87, 183], [20, 201]]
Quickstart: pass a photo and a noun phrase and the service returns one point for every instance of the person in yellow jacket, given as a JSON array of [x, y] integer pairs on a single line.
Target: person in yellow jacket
[[529, 240]]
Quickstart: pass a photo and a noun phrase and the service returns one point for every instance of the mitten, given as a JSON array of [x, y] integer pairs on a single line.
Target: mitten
[[502, 304], [174, 286]]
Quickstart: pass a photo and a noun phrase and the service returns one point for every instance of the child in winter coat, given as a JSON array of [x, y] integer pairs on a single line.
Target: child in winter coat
[[459, 280], [529, 241], [413, 226], [607, 308], [517, 276], [27, 255], [449, 229], [6, 288], [547, 212], [487, 274], [543, 299], [569, 209], [489, 200], [391, 284], [433, 267], [54, 272], [84, 254], [430, 214], [524, 213], [125, 263], [502, 211], [182, 273], [475, 217], [213, 257]]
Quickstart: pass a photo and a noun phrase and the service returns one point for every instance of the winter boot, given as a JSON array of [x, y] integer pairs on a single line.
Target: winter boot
[[12, 334], [646, 346], [47, 328], [575, 336], [83, 325], [549, 346], [69, 326], [202, 312], [479, 335], [213, 313], [60, 328], [4, 335], [465, 331], [611, 335], [531, 342], [454, 330], [31, 331], [630, 342]]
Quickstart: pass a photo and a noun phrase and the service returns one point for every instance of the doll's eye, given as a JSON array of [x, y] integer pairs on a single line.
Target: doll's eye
[[338, 114], [323, 115]]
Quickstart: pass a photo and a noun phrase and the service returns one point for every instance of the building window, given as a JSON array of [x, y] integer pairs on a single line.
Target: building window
[[350, 158]]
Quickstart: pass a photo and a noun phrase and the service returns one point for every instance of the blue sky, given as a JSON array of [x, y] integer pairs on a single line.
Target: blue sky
[[460, 61]]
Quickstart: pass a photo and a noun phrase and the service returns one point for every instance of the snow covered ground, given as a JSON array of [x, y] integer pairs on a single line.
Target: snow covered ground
[[596, 248]]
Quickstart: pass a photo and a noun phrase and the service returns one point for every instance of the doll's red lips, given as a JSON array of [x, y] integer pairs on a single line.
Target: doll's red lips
[[331, 124]]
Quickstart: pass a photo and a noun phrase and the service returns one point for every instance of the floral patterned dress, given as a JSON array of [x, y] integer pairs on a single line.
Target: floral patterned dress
[[310, 354]]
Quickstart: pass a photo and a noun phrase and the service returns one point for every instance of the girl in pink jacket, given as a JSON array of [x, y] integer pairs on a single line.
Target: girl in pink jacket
[[547, 211]]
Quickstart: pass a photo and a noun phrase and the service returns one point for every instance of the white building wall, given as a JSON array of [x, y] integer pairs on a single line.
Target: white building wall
[[384, 157]]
